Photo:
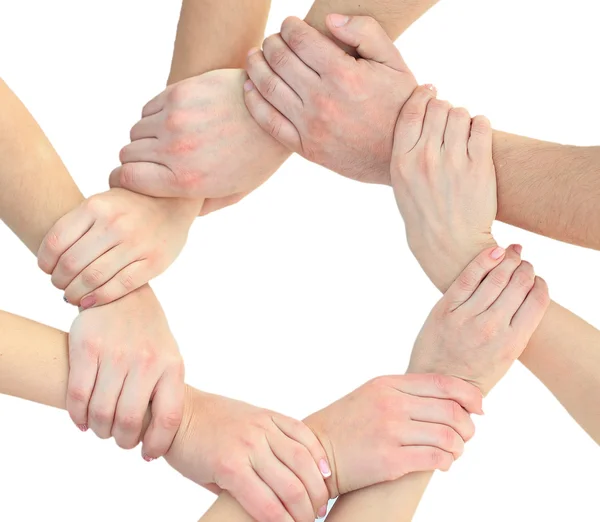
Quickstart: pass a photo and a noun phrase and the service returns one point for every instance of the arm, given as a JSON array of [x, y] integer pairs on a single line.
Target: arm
[[216, 34]]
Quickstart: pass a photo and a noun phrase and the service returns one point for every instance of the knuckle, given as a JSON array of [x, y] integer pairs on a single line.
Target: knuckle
[[175, 119], [489, 328], [274, 125], [480, 125], [177, 94], [129, 422], [439, 459], [277, 58], [455, 412], [440, 382], [52, 241], [447, 437], [92, 346], [269, 85], [78, 394], [467, 280], [226, 468], [101, 415], [499, 278], [128, 173], [127, 281], [68, 264], [460, 113], [297, 39], [295, 493], [171, 420], [92, 277], [147, 358]]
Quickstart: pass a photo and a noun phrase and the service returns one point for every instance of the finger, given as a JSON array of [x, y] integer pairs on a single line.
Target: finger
[[434, 127], [314, 49], [513, 296], [293, 71], [368, 38], [271, 86], [98, 273], [480, 141], [457, 132], [442, 411], [270, 119], [155, 105], [103, 404], [140, 151], [256, 497], [422, 458], [93, 245], [437, 386], [131, 409], [301, 433], [83, 371], [435, 435], [62, 236], [285, 484], [167, 412], [472, 276], [132, 277], [410, 122], [493, 284], [151, 179], [531, 312], [298, 459], [147, 127]]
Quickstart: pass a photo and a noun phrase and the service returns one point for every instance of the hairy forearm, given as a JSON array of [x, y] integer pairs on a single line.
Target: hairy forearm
[[216, 34], [548, 188], [394, 15], [36, 190]]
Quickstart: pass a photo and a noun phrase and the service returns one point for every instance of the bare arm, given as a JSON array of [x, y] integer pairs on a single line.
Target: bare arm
[[216, 34]]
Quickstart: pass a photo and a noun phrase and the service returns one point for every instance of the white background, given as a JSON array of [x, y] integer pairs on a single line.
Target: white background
[[306, 289]]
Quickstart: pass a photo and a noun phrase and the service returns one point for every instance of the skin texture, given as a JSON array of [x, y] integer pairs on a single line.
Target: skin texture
[[41, 376], [99, 253]]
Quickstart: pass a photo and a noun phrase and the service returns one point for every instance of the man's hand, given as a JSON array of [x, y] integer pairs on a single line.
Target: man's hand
[[273, 465], [113, 244], [324, 104], [122, 357], [484, 321], [396, 425], [445, 184], [197, 140]]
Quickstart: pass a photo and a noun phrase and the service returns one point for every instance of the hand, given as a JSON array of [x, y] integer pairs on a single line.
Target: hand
[[445, 184], [484, 321], [396, 425], [273, 465], [114, 243], [122, 357], [324, 104], [197, 140]]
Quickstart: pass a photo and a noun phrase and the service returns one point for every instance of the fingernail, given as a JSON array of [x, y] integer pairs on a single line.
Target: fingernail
[[325, 469], [252, 51], [83, 427], [431, 87], [322, 512], [338, 20], [65, 299], [518, 249], [88, 301], [147, 458], [248, 85], [497, 253]]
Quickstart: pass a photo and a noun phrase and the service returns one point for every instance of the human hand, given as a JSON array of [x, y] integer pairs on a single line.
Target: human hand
[[396, 425], [484, 321], [122, 357], [324, 104], [445, 184], [114, 243], [197, 140], [274, 466]]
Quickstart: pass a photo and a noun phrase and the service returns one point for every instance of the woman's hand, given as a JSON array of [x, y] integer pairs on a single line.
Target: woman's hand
[[113, 244], [445, 184], [484, 321], [396, 425], [274, 466]]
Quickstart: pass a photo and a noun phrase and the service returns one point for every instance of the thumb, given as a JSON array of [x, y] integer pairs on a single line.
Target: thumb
[[368, 37], [150, 179]]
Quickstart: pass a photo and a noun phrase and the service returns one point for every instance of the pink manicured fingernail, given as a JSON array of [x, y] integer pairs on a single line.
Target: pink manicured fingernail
[[252, 51], [431, 87], [322, 512], [497, 253], [338, 20], [248, 85], [147, 458], [88, 301], [83, 427], [518, 249], [325, 469]]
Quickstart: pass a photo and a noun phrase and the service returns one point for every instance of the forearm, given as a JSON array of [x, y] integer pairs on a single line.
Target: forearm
[[216, 34], [36, 190], [548, 188], [394, 15]]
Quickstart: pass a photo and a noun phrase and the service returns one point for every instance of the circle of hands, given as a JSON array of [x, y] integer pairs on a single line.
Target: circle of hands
[[367, 119]]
